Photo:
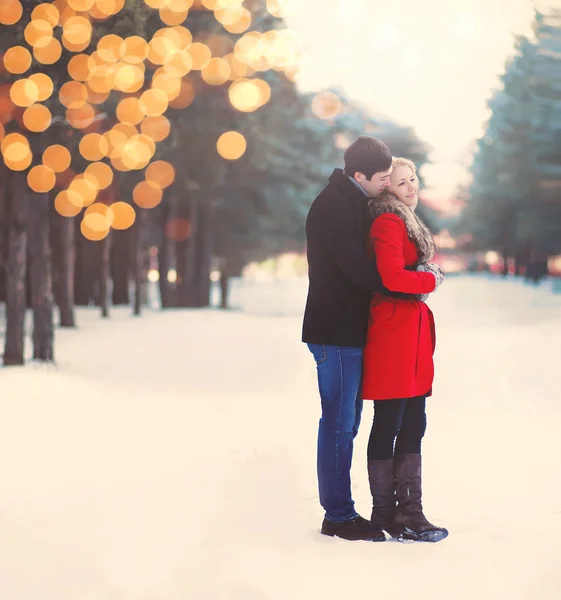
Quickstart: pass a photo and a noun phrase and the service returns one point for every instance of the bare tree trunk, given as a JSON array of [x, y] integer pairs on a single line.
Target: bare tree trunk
[[138, 261], [63, 233], [204, 262], [105, 261], [16, 270], [505, 262], [187, 258], [120, 261], [41, 277], [86, 273], [224, 289], [164, 248], [4, 228]]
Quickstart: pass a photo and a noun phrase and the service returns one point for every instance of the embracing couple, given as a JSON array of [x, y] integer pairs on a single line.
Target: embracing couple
[[372, 337]]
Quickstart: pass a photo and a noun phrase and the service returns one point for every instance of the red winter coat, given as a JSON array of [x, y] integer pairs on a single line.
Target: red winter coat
[[398, 356]]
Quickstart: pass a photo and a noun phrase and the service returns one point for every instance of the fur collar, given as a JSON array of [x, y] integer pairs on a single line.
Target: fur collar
[[416, 230]]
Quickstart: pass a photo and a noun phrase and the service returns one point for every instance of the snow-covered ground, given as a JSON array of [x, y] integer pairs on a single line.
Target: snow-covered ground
[[173, 458]]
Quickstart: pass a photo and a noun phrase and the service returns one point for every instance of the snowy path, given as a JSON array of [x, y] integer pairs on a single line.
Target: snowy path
[[173, 458]]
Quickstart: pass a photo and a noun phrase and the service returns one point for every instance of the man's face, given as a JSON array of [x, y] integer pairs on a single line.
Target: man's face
[[378, 183]]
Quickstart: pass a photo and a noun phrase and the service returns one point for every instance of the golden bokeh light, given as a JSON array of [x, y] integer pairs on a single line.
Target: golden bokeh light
[[201, 55], [73, 94], [185, 97], [104, 79], [41, 179], [24, 92], [153, 103], [37, 118], [106, 212], [171, 17], [161, 173], [185, 38], [157, 4], [102, 173], [106, 8], [116, 139], [245, 95], [129, 111], [92, 229], [17, 60], [264, 90], [44, 84], [124, 215], [231, 145], [147, 194], [81, 67], [93, 147], [180, 64], [161, 50], [14, 147], [2, 132], [77, 31], [171, 86], [38, 33], [49, 54], [10, 12], [326, 105], [238, 68], [22, 164], [217, 72], [83, 190], [97, 97], [275, 8], [111, 48], [129, 78], [46, 12], [80, 118], [249, 48], [64, 207], [241, 24], [137, 152], [157, 128], [136, 50], [118, 164], [57, 158], [80, 5], [65, 13], [16, 152]]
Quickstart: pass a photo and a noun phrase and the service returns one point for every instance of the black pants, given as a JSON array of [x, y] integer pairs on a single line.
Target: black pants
[[404, 419]]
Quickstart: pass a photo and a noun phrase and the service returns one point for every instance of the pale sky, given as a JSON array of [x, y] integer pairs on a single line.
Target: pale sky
[[432, 65]]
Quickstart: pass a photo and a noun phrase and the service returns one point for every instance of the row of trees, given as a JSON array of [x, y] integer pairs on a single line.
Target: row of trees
[[513, 205], [217, 214]]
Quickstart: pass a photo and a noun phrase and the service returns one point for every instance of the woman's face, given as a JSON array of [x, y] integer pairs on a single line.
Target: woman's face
[[405, 185]]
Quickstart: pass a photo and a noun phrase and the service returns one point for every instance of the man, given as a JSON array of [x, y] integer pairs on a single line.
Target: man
[[342, 278]]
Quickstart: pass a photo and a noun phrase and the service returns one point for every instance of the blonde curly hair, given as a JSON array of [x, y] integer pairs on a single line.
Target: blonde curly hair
[[398, 161]]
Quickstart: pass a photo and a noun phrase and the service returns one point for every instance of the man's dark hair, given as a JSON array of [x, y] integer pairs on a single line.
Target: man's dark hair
[[368, 155]]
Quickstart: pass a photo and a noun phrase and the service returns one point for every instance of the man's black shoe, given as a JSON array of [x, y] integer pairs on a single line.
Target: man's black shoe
[[354, 529]]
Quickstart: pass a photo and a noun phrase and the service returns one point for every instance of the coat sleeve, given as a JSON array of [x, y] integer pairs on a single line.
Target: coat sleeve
[[349, 249], [388, 233]]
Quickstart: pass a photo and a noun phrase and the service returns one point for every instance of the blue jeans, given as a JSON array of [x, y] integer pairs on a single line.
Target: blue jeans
[[339, 377]]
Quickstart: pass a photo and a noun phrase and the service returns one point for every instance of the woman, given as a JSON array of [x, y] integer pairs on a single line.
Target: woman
[[398, 357]]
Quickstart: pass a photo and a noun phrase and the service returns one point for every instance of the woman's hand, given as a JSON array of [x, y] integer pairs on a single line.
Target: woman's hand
[[430, 267]]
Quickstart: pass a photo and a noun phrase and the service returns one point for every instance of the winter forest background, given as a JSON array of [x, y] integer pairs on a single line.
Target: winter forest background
[[158, 159], [167, 141]]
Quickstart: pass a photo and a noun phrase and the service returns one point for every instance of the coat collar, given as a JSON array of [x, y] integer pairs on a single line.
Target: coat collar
[[417, 231], [346, 186]]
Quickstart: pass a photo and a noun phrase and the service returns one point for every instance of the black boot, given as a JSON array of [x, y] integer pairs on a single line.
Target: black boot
[[410, 523], [354, 529], [382, 488]]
